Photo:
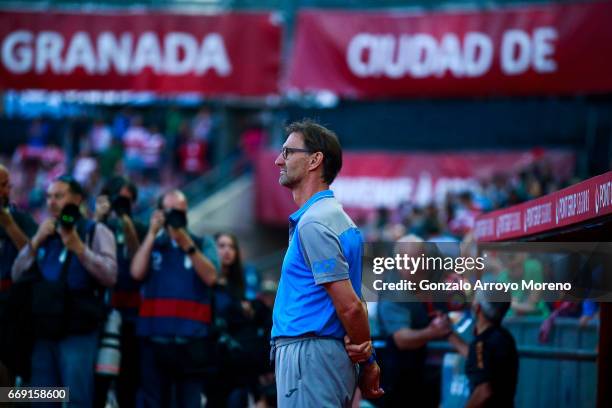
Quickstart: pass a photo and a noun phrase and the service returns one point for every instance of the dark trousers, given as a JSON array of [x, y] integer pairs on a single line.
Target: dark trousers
[[162, 376]]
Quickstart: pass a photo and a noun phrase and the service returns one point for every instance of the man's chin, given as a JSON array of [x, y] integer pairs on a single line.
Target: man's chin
[[284, 181]]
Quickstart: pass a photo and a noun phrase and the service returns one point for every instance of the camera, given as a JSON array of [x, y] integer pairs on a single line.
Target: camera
[[70, 215], [121, 205], [175, 218]]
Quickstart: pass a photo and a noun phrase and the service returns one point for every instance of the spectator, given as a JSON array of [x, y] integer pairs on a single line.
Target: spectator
[[152, 153], [247, 323], [524, 302], [100, 137], [121, 123], [38, 133], [202, 125], [135, 141], [492, 358], [192, 157], [79, 255]]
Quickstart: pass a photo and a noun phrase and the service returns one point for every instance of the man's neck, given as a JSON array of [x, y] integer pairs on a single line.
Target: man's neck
[[303, 192], [482, 325]]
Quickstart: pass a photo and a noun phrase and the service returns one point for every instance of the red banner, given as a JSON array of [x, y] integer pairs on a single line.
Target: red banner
[[581, 202], [372, 180], [222, 54], [541, 49]]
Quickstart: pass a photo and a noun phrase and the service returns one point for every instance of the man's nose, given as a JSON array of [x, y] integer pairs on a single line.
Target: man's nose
[[280, 161]]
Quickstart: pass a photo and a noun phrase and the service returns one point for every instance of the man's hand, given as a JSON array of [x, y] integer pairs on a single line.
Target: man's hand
[[369, 381], [440, 327], [181, 237], [72, 241], [358, 353], [45, 230], [103, 207], [157, 222], [6, 219]]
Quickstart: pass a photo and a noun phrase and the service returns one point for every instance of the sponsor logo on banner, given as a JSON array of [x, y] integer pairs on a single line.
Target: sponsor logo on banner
[[603, 196], [484, 228], [537, 216], [572, 205], [508, 223]]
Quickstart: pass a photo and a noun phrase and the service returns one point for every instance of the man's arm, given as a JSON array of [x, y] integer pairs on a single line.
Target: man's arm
[[101, 259], [202, 265], [23, 262], [14, 232], [482, 393], [323, 253], [27, 255], [460, 345], [350, 310], [131, 236], [140, 263]]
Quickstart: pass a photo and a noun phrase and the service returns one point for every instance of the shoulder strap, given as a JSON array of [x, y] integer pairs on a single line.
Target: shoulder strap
[[91, 234]]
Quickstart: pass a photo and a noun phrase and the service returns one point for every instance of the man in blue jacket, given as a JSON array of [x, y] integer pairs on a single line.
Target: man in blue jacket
[[318, 299]]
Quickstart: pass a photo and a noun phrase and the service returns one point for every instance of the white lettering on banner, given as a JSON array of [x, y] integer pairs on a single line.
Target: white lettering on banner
[[419, 55], [80, 54], [537, 215], [374, 192], [16, 57], [176, 53], [114, 53], [572, 205], [422, 55], [519, 51], [507, 223], [484, 228], [603, 196], [49, 45]]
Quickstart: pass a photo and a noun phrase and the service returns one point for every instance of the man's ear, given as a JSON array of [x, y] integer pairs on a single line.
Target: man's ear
[[316, 159]]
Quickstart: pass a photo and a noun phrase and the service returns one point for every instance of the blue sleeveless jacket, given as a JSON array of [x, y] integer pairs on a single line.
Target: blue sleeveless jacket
[[176, 302], [51, 256]]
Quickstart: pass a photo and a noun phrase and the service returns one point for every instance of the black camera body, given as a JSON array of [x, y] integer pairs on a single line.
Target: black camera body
[[70, 215], [175, 218], [121, 205]]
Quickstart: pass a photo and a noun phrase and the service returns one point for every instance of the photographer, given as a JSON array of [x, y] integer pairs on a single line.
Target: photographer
[[68, 258], [114, 208], [175, 318], [15, 229]]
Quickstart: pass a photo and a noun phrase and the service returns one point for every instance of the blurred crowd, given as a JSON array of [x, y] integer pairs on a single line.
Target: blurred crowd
[[454, 219], [157, 151]]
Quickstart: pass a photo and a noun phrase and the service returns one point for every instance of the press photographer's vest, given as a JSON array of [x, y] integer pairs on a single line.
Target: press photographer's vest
[[52, 254], [176, 302], [126, 295]]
